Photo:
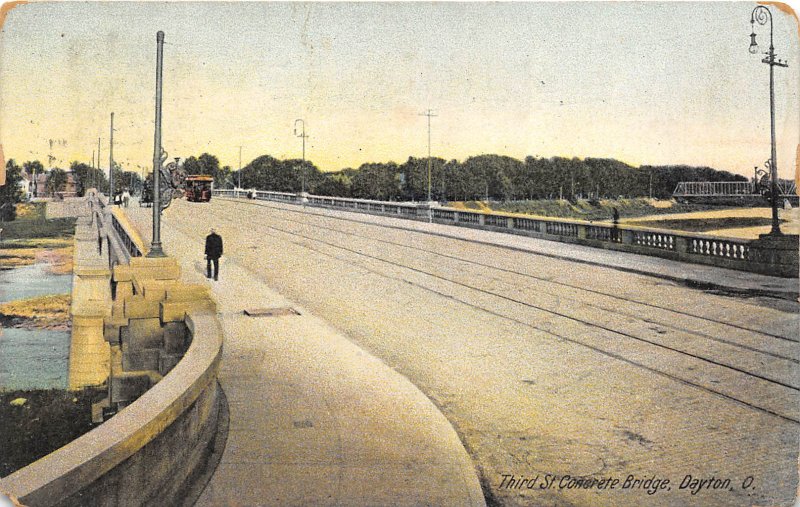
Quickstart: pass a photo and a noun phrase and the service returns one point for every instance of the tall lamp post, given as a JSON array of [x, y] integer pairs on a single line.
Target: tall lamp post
[[155, 245], [302, 135], [762, 14]]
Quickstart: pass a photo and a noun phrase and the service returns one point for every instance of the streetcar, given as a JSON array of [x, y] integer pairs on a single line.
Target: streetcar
[[198, 188]]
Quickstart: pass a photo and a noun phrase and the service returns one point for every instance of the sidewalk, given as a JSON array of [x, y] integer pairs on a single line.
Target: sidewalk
[[315, 420], [693, 275]]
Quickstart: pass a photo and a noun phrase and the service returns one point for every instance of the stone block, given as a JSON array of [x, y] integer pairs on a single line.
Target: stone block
[[111, 333], [116, 360], [139, 359], [160, 268], [166, 362], [176, 311], [160, 273], [87, 319], [92, 271], [176, 337], [188, 292], [99, 410], [124, 290], [156, 290], [150, 262], [122, 273], [128, 386], [142, 334], [137, 307]]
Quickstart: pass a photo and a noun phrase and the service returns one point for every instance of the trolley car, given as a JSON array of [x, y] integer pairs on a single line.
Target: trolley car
[[198, 188]]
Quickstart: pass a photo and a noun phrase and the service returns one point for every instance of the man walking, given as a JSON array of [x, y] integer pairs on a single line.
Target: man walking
[[213, 253]]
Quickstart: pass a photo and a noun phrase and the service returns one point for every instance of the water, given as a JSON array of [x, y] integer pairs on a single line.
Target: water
[[31, 281], [33, 359]]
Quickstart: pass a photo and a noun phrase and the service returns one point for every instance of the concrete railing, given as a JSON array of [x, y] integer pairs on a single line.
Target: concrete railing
[[770, 256], [164, 345]]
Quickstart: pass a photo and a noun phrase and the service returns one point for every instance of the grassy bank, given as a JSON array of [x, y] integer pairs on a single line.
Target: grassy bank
[[43, 312], [46, 421], [31, 223], [32, 238], [584, 209]]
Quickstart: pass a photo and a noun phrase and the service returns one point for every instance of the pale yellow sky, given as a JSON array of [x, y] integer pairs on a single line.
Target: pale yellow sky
[[647, 83]]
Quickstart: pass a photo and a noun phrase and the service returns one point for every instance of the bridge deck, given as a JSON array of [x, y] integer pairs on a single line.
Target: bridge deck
[[545, 365], [314, 420]]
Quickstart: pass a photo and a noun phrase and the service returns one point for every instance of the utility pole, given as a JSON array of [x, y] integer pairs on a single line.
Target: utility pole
[[240, 167], [91, 173], [429, 113], [111, 160], [98, 155], [155, 245], [302, 135]]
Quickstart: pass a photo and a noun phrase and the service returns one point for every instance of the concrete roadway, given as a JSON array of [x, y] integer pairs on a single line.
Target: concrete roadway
[[546, 367]]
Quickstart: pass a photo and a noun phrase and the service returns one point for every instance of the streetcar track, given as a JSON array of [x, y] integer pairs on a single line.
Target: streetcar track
[[271, 205], [613, 355], [575, 299], [540, 308]]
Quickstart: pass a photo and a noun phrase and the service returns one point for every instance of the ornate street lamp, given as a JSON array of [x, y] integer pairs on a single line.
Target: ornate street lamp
[[762, 14]]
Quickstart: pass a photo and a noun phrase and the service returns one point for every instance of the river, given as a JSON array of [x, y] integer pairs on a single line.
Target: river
[[33, 358]]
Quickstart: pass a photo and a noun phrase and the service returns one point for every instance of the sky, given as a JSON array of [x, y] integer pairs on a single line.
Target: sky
[[643, 82]]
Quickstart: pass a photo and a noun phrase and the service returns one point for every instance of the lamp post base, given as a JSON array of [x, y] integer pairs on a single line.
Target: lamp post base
[[156, 251]]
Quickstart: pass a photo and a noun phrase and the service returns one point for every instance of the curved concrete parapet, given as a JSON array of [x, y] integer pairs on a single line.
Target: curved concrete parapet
[[146, 454]]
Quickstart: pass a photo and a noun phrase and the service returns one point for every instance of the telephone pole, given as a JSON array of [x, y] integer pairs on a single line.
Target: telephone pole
[[429, 113], [302, 135], [111, 161], [240, 167], [98, 156]]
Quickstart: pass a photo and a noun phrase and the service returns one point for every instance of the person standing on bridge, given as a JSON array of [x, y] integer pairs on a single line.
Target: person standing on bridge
[[213, 253]]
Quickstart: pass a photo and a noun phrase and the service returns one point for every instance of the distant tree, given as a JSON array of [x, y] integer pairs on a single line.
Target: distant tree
[[10, 193], [88, 177], [33, 167], [336, 184], [56, 181], [224, 178], [376, 181]]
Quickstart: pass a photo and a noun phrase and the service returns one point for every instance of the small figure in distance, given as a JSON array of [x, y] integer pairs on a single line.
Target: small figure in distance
[[615, 216], [213, 253]]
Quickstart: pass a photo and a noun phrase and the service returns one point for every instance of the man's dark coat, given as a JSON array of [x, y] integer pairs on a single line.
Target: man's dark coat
[[213, 246]]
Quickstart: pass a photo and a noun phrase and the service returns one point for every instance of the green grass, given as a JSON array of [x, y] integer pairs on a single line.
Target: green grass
[[49, 419], [593, 210], [707, 224], [33, 224]]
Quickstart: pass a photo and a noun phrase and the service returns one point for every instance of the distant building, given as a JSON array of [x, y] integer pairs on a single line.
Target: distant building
[[38, 187], [25, 186]]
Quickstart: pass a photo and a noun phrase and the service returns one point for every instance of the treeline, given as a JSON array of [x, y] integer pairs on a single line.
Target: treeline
[[485, 177]]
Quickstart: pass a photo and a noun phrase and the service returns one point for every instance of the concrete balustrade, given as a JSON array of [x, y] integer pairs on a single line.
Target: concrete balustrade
[[158, 345], [766, 255]]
